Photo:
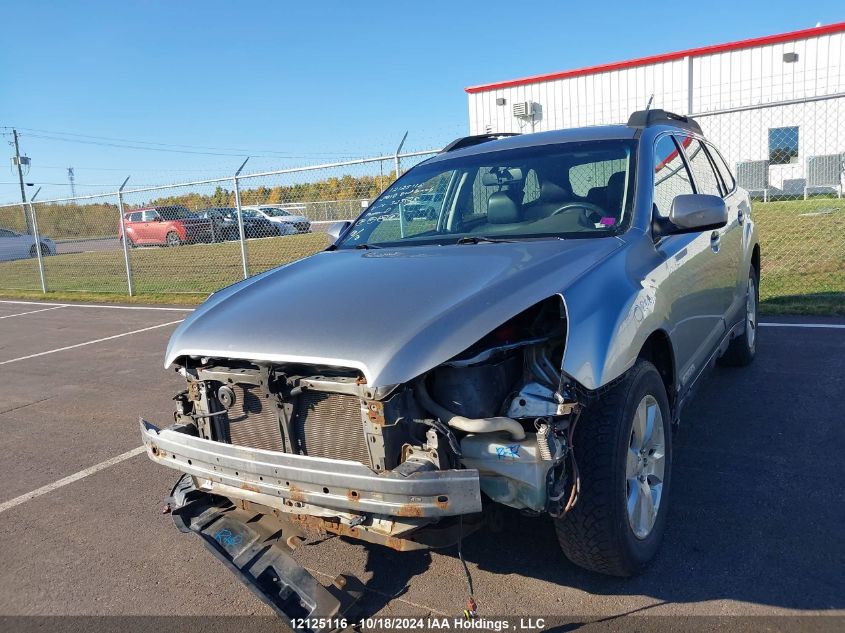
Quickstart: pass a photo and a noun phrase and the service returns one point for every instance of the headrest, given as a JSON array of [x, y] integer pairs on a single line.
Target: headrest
[[553, 192], [615, 191], [501, 209], [616, 182], [501, 176]]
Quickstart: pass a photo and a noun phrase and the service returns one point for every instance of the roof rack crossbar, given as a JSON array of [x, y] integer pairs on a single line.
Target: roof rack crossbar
[[477, 139], [646, 118]]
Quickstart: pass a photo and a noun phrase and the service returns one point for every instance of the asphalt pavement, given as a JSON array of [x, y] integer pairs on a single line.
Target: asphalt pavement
[[755, 521]]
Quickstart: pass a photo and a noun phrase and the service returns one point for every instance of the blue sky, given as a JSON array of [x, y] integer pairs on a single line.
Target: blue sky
[[304, 82]]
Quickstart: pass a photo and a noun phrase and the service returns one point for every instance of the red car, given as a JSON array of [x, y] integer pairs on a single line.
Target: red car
[[165, 226]]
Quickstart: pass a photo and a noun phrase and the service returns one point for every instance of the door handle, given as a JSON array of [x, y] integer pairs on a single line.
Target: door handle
[[740, 216], [715, 239]]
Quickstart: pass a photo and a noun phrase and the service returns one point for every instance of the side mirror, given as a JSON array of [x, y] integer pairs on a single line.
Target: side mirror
[[337, 229], [695, 212]]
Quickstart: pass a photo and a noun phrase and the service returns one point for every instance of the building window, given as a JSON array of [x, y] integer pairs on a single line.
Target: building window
[[783, 145]]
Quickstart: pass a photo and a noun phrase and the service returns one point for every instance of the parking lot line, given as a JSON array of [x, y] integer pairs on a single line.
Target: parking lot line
[[823, 326], [98, 340], [43, 490], [97, 305], [9, 316]]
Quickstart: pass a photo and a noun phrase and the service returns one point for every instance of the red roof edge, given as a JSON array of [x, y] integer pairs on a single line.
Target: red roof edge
[[665, 57]]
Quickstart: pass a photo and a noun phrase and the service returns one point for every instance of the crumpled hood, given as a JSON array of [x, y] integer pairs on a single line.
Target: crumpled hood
[[391, 313]]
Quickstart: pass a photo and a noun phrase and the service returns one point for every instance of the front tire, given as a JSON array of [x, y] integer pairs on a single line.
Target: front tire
[[623, 447], [743, 348]]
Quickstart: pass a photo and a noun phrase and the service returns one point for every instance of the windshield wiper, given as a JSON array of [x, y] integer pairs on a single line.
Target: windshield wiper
[[478, 239], [366, 246]]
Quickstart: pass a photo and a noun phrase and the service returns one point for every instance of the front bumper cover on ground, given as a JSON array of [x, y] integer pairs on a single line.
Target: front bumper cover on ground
[[291, 482]]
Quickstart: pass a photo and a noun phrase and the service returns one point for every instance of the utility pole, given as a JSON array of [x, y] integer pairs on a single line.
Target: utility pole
[[71, 179], [18, 163], [28, 222]]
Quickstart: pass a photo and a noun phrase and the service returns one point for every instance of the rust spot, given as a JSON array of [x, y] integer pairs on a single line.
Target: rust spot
[[295, 494], [250, 487], [409, 510], [399, 544], [375, 412], [353, 496], [442, 502]]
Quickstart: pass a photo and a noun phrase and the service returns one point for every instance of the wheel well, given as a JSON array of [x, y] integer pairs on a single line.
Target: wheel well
[[755, 258], [657, 349]]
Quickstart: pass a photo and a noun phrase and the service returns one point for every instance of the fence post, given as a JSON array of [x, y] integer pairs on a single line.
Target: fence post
[[37, 242], [241, 219], [396, 155], [124, 239]]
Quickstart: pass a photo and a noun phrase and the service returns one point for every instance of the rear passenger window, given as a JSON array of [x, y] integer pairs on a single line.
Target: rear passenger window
[[722, 167], [703, 175], [671, 177]]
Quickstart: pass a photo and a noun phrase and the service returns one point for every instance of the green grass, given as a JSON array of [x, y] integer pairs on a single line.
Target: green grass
[[803, 264], [802, 256], [186, 274]]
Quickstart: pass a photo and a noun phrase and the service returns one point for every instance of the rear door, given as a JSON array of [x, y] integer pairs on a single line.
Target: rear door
[[690, 287], [134, 227], [733, 244]]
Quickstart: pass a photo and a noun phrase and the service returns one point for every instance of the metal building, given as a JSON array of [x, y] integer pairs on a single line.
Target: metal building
[[774, 105]]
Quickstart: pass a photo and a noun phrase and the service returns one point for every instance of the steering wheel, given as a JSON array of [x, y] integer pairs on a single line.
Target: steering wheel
[[587, 206]]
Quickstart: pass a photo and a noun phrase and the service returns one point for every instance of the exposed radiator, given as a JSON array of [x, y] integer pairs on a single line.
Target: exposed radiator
[[254, 419], [329, 425]]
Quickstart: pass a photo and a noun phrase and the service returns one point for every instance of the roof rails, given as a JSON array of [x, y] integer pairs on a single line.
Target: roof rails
[[469, 141], [645, 118]]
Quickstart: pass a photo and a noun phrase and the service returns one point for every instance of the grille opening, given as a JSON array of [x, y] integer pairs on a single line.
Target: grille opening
[[253, 420], [329, 425]]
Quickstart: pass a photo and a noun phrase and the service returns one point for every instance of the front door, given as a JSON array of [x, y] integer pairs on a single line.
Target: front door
[[690, 260]]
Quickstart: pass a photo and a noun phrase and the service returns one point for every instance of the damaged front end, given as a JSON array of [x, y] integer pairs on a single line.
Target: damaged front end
[[316, 451]]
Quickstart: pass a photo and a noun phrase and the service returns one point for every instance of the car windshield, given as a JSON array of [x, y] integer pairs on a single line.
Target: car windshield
[[174, 213], [568, 190]]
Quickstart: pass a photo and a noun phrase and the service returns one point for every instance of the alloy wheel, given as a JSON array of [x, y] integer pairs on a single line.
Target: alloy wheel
[[751, 312], [645, 467]]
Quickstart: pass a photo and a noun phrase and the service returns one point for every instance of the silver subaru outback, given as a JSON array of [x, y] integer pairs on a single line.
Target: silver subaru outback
[[531, 343]]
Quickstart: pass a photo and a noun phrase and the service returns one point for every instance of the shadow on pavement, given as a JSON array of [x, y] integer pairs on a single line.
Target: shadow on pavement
[[756, 511]]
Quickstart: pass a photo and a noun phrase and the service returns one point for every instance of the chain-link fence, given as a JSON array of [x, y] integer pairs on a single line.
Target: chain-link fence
[[194, 238], [790, 156], [191, 238]]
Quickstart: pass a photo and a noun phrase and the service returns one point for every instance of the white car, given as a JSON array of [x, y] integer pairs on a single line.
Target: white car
[[282, 217], [14, 245]]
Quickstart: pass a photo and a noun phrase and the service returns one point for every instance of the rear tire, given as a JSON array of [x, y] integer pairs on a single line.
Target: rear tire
[[743, 348], [45, 251], [623, 447], [173, 239]]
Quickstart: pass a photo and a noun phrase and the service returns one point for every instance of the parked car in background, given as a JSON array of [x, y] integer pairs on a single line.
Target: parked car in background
[[279, 215], [224, 224], [14, 245], [425, 206], [534, 347], [165, 226]]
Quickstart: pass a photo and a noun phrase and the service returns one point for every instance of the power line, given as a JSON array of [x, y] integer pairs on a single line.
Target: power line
[[118, 142], [66, 184]]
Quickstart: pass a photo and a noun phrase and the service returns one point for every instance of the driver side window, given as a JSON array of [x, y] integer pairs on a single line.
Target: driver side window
[[671, 177]]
